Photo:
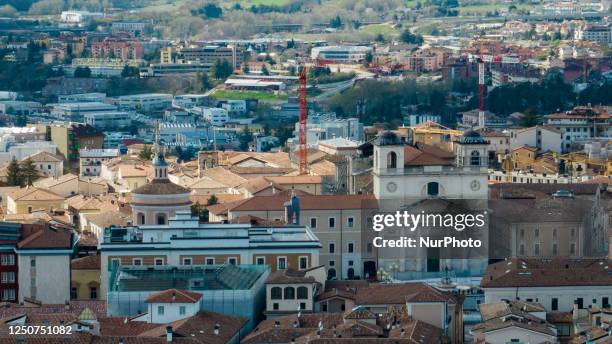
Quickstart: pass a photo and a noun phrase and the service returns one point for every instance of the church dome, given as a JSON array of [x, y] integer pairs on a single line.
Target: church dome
[[161, 187], [387, 138], [472, 137]]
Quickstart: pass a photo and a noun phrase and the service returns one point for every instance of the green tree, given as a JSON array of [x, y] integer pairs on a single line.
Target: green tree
[[145, 154], [213, 200], [245, 139], [264, 70], [13, 174], [211, 10], [335, 22], [410, 38], [204, 81], [292, 70], [29, 174], [82, 72], [369, 57], [529, 119], [222, 69], [201, 212]]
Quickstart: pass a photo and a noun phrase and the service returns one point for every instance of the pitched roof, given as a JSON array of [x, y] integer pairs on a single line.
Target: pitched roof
[[535, 272], [174, 295], [417, 157], [224, 176], [289, 276], [90, 262], [43, 156], [47, 237], [306, 179], [30, 193]]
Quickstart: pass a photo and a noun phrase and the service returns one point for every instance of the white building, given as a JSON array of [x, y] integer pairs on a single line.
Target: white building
[[544, 138], [47, 163], [147, 102], [293, 291], [19, 151], [108, 120], [581, 123], [169, 131], [215, 116], [556, 284], [187, 101], [82, 98], [90, 160], [341, 53], [77, 111], [18, 107], [235, 107], [325, 126], [44, 266], [78, 17], [171, 305], [594, 33]]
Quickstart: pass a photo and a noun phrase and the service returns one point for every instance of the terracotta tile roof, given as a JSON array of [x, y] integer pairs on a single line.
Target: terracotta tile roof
[[174, 295], [108, 218], [91, 262], [135, 170], [256, 185], [206, 183], [307, 202], [34, 194], [289, 276], [50, 182], [47, 238], [548, 273], [43, 156], [281, 180], [416, 157], [271, 170], [98, 307], [224, 176], [222, 198], [388, 294]]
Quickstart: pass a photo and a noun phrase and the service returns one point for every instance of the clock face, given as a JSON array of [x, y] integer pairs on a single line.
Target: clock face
[[475, 185], [391, 187]]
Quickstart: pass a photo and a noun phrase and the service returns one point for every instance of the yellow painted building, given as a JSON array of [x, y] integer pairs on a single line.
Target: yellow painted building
[[30, 199], [85, 280]]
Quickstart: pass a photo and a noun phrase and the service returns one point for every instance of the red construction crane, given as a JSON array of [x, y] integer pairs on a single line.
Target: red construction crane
[[303, 106]]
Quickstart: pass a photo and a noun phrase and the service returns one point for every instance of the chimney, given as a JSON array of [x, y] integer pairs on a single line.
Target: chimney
[[575, 314], [216, 330], [173, 296], [169, 334], [402, 333]]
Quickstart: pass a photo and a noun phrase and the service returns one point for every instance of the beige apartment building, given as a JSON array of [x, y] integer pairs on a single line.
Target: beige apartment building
[[339, 221]]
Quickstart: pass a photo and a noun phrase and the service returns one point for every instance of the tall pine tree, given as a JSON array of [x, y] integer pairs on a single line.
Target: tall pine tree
[[29, 174], [13, 173]]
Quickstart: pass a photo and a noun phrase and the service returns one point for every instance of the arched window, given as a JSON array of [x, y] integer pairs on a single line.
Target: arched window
[[351, 273], [433, 189], [475, 158], [140, 218], [289, 293], [276, 293], [161, 219], [302, 293], [331, 274], [391, 160]]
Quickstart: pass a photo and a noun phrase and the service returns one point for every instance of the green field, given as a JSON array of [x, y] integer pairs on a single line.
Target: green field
[[261, 96], [376, 29]]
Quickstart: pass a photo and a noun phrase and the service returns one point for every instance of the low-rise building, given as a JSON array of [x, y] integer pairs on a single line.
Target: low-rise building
[[293, 290], [47, 164], [30, 199], [108, 120], [341, 53], [147, 102], [90, 160], [85, 278]]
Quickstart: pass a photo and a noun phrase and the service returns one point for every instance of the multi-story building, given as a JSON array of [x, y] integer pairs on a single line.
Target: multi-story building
[[338, 221], [31, 199], [90, 160], [108, 120], [544, 138], [215, 116], [326, 126], [117, 48], [557, 284], [185, 242], [134, 27], [581, 123], [204, 55], [44, 265], [10, 234], [595, 33], [95, 97], [77, 111], [341, 53], [70, 138], [147, 102], [47, 164]]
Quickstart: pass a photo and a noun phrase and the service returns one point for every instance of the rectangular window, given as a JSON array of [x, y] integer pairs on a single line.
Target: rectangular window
[[281, 263], [536, 249], [332, 247], [260, 260], [115, 261], [210, 261], [33, 262], [93, 293], [350, 222], [522, 249], [159, 261], [350, 247], [580, 303], [522, 233], [160, 310], [137, 261], [182, 310], [275, 306], [187, 261], [605, 302], [332, 263], [554, 304], [572, 248], [303, 263], [232, 260], [554, 248], [537, 233], [313, 222], [332, 222]]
